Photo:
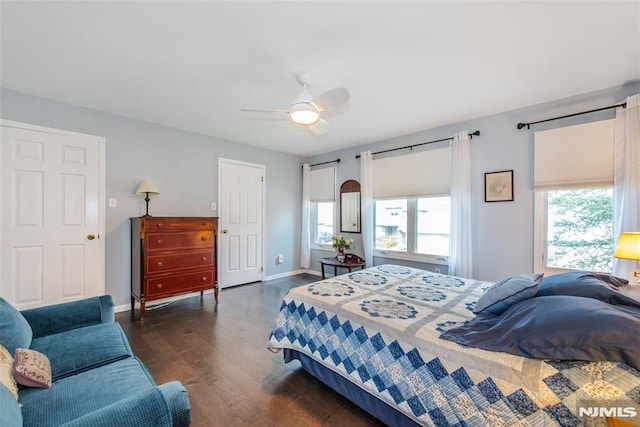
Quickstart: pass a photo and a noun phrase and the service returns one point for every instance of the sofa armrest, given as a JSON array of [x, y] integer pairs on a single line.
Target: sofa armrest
[[152, 407], [63, 317]]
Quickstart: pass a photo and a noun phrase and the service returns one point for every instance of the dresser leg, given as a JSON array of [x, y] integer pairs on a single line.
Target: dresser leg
[[215, 293], [142, 310], [133, 303]]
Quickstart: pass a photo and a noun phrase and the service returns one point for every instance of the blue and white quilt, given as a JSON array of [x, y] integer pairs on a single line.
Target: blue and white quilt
[[379, 328]]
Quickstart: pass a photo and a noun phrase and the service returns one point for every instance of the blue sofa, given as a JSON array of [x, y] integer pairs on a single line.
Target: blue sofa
[[96, 379]]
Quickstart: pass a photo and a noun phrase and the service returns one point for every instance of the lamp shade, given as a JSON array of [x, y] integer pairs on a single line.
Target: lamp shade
[[628, 246], [304, 113], [147, 186]]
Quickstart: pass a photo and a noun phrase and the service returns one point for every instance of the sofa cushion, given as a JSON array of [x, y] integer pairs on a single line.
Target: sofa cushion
[[31, 368], [10, 413], [65, 316], [6, 372], [14, 329], [78, 395], [78, 350]]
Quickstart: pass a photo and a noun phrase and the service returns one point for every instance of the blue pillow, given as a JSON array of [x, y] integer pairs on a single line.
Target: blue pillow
[[557, 327], [507, 292], [14, 329], [585, 284]]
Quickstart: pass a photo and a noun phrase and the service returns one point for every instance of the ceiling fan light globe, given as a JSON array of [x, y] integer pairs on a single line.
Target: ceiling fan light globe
[[304, 114]]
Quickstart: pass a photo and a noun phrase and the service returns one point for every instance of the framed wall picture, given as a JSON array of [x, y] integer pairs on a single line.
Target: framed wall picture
[[498, 186]]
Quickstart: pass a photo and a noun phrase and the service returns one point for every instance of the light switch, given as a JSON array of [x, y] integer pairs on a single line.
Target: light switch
[[113, 203], [213, 206]]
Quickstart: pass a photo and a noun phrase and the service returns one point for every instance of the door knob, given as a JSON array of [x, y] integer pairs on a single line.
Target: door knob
[[91, 236], [225, 231]]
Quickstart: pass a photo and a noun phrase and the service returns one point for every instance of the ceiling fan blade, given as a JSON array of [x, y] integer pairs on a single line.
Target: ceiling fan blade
[[320, 127], [255, 110], [331, 98]]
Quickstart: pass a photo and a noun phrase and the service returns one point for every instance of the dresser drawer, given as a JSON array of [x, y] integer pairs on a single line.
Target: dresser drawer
[[176, 224], [179, 261], [178, 240], [178, 283]]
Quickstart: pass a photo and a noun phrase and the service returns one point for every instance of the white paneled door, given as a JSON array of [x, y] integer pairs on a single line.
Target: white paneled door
[[52, 215], [241, 210]]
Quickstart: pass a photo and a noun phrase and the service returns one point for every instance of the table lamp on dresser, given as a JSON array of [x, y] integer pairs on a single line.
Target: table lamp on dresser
[[629, 248], [146, 187]]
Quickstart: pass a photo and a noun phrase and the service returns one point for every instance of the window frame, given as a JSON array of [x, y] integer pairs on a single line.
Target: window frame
[[412, 227]]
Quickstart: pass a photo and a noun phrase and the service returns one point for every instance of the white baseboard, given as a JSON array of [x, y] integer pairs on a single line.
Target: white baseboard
[[291, 273]]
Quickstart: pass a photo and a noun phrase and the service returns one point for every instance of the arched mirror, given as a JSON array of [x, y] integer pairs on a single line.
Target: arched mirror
[[350, 206]]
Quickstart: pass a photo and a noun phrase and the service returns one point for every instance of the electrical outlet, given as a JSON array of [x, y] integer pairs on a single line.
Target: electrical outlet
[[280, 259], [113, 203], [214, 207]]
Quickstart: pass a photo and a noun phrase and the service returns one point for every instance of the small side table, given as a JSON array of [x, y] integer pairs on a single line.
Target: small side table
[[351, 261]]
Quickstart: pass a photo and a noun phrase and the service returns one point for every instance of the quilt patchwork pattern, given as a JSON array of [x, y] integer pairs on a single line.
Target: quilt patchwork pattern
[[378, 329]]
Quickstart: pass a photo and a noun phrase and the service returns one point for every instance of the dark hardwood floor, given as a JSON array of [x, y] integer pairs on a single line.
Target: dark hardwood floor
[[219, 352]]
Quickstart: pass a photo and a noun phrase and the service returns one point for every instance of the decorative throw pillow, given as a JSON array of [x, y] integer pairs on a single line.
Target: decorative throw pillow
[[6, 374], [507, 292], [32, 368]]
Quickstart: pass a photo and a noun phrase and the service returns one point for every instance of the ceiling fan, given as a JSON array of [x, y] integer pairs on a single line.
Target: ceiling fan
[[306, 109]]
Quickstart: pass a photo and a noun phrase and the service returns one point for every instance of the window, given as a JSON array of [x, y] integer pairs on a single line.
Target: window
[[322, 221], [578, 229], [322, 198], [412, 208], [413, 226], [573, 181]]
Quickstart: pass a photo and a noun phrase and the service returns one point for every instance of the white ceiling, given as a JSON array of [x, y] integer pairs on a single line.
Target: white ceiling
[[409, 66]]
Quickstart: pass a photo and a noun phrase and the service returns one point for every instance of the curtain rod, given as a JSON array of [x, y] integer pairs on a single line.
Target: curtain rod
[[521, 125], [472, 134], [324, 163]]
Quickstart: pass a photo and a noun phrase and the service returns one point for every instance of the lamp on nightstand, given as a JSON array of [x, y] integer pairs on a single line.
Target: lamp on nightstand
[[146, 187], [629, 248]]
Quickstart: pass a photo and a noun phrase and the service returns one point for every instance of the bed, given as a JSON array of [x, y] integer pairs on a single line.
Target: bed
[[374, 336]]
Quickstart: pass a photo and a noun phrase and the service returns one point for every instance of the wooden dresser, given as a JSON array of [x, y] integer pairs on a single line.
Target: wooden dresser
[[172, 256]]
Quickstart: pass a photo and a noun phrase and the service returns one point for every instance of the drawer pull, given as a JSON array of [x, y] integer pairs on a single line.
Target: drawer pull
[[203, 238], [159, 286], [204, 278], [204, 224], [159, 225], [159, 264], [159, 241], [204, 258]]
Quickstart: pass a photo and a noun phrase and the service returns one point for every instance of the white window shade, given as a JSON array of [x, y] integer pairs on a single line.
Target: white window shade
[[426, 173], [323, 185], [578, 156]]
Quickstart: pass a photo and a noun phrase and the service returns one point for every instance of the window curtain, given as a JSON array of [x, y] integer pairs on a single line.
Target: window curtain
[[626, 178], [305, 241], [460, 251], [366, 199]]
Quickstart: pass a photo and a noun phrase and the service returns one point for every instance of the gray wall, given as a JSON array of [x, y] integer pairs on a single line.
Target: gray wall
[[184, 167], [502, 232]]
